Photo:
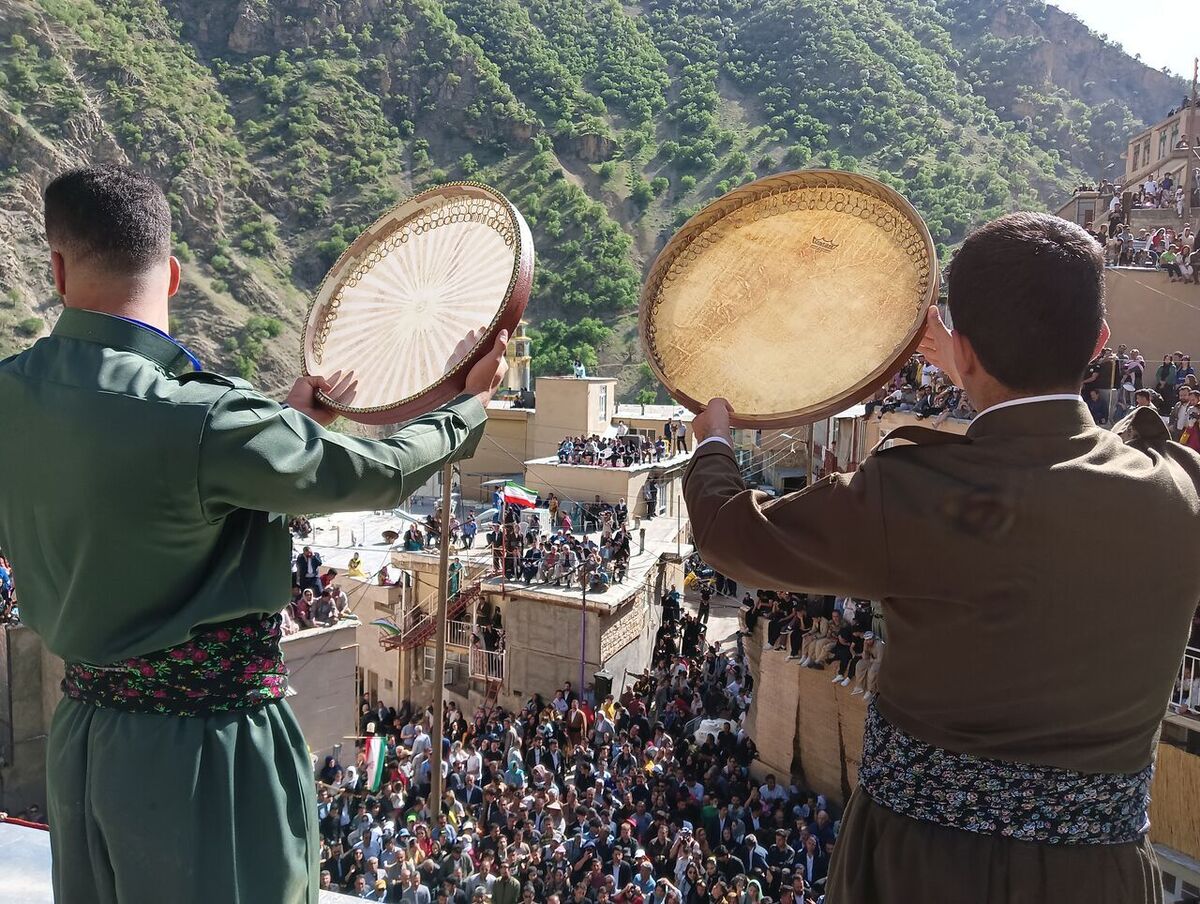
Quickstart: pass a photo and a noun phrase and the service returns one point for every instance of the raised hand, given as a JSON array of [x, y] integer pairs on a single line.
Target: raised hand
[[488, 372], [340, 387], [937, 345], [713, 421]]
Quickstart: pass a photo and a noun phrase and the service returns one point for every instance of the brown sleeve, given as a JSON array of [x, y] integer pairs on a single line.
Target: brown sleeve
[[827, 538]]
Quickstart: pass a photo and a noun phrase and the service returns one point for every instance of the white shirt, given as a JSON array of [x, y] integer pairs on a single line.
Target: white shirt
[[1029, 400], [714, 439]]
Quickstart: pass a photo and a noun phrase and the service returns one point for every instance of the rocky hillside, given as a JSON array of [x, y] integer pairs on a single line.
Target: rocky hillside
[[282, 127]]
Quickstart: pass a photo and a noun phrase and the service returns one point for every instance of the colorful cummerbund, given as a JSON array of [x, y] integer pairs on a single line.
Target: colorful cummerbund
[[992, 797], [227, 667]]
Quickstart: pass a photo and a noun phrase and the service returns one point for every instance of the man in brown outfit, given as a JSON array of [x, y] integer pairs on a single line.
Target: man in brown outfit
[[988, 772]]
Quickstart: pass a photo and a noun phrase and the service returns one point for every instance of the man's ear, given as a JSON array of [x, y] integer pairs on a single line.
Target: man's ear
[[59, 266], [964, 355], [1102, 341], [173, 285]]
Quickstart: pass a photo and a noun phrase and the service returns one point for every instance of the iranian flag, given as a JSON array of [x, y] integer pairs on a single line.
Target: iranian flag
[[374, 768], [522, 497]]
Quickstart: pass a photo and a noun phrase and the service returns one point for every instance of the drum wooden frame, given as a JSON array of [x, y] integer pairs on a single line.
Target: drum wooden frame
[[846, 231], [442, 210]]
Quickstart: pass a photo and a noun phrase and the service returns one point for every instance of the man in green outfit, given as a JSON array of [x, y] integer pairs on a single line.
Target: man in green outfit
[[143, 502]]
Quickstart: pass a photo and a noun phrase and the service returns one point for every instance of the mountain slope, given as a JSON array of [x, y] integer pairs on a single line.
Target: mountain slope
[[280, 129]]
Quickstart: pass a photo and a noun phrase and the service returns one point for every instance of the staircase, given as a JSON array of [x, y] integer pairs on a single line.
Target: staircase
[[416, 625], [491, 693]]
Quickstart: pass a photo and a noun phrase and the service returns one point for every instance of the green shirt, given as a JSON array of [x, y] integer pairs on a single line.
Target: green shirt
[[142, 499]]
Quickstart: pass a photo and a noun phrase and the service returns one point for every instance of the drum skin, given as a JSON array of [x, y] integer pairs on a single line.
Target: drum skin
[[452, 259], [794, 297]]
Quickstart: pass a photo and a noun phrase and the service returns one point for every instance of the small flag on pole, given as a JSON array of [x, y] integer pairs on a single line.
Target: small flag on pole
[[522, 497], [388, 626], [375, 757]]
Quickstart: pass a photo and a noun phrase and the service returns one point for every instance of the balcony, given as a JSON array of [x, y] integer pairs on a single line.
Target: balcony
[[458, 634], [482, 664], [487, 665], [1185, 698]]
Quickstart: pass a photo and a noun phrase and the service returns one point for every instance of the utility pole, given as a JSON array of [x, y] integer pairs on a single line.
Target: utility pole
[[1188, 172], [439, 646]]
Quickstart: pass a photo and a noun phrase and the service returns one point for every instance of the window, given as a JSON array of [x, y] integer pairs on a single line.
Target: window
[[604, 403], [1174, 135], [1169, 882], [1137, 155], [387, 684], [427, 663], [1162, 144]]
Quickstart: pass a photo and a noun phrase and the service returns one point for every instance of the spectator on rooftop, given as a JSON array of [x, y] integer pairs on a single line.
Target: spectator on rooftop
[[308, 570]]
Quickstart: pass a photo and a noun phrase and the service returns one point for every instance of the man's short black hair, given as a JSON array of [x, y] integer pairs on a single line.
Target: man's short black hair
[[1027, 290], [117, 218]]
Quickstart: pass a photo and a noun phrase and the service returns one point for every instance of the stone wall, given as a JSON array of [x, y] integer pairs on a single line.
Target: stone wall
[[322, 663], [806, 728]]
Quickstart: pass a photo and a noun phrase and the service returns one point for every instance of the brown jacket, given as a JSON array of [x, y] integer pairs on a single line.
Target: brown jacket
[[1018, 626]]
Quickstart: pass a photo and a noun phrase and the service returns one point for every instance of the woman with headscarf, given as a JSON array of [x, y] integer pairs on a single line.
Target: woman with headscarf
[[514, 775], [330, 769], [753, 892]]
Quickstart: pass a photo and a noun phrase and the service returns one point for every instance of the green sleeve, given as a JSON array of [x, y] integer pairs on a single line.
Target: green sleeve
[[258, 454]]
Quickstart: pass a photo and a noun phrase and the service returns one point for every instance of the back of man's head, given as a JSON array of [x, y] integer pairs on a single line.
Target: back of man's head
[[109, 218], [1027, 291]]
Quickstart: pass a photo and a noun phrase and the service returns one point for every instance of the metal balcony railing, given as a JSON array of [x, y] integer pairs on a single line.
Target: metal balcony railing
[[458, 634], [487, 665], [1185, 698], [415, 624]]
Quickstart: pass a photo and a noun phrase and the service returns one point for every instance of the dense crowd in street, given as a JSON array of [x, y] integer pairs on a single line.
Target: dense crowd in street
[[644, 797]]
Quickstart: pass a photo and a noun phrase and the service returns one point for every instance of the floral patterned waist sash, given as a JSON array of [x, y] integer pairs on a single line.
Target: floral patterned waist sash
[[1042, 804], [227, 667]]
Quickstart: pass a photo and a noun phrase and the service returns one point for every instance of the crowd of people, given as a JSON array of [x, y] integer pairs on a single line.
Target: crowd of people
[[637, 799], [525, 550], [1116, 382], [822, 632], [1120, 380], [921, 388], [624, 449], [317, 601], [9, 614], [1177, 253]]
